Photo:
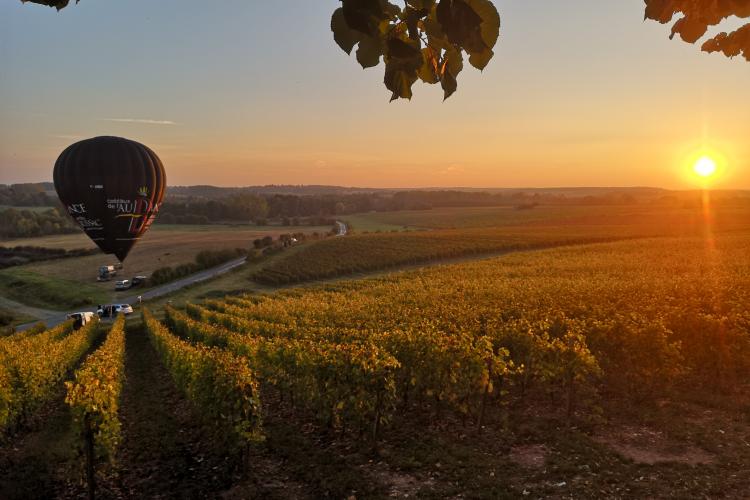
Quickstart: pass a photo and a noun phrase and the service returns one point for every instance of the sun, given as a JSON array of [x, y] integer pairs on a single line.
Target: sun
[[705, 167]]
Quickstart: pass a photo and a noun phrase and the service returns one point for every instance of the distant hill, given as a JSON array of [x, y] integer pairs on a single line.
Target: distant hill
[[212, 192], [204, 191], [43, 193]]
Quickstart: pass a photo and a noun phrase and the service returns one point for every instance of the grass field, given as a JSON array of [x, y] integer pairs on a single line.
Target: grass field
[[32, 209], [58, 294]]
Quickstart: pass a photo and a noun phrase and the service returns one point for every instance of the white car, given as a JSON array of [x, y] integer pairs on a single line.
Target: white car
[[123, 285], [112, 310], [123, 308]]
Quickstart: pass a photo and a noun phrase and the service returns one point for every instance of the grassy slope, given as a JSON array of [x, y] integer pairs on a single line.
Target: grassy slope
[[36, 290]]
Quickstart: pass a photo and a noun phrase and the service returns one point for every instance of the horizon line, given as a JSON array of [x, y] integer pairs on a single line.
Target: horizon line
[[430, 188]]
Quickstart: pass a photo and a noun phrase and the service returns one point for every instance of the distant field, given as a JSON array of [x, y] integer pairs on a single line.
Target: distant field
[[32, 209], [74, 279], [462, 218], [454, 218], [492, 230], [158, 233]]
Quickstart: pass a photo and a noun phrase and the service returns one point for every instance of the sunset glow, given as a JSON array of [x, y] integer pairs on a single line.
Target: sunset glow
[[705, 167], [228, 107]]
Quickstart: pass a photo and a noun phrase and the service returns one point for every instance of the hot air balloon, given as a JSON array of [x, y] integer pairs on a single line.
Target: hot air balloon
[[112, 187]]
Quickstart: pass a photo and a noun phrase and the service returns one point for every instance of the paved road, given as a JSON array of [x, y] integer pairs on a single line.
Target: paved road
[[52, 318], [57, 318]]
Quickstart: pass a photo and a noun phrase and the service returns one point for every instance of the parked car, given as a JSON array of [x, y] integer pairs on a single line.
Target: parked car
[[123, 284], [112, 310], [139, 280], [80, 318], [123, 308]]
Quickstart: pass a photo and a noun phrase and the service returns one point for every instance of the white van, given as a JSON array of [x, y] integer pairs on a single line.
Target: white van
[[80, 318]]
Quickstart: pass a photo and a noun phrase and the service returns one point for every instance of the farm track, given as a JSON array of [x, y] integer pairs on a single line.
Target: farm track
[[168, 452]]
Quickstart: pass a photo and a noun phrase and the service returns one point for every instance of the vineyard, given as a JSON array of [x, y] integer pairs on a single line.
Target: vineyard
[[448, 380], [635, 327], [487, 231]]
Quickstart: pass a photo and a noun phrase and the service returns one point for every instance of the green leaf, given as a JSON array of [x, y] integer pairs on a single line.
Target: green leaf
[[403, 60], [427, 71], [452, 66], [454, 61], [480, 59], [490, 25], [345, 37], [412, 17], [365, 16], [461, 24], [369, 52]]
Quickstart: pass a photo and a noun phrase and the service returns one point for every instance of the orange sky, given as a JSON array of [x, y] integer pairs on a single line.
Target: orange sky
[[584, 93]]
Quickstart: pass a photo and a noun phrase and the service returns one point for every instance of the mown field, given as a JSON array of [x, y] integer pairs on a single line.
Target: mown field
[[613, 369]]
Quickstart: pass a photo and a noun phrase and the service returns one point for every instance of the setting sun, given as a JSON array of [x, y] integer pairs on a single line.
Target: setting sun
[[705, 167]]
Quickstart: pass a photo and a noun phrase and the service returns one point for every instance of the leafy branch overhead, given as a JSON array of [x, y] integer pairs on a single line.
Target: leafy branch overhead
[[425, 40], [697, 16]]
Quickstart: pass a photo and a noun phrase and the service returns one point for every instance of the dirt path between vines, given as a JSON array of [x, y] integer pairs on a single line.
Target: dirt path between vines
[[167, 451], [31, 461]]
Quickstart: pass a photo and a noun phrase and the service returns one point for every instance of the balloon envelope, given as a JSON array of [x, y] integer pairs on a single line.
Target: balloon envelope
[[112, 187]]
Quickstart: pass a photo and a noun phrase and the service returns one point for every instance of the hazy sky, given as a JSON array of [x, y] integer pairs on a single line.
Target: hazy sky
[[244, 92]]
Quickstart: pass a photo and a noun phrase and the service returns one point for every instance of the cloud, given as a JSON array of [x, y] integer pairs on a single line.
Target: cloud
[[453, 168], [145, 121]]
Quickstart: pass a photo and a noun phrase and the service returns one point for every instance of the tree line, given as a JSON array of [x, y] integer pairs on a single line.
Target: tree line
[[290, 209], [15, 223], [26, 195]]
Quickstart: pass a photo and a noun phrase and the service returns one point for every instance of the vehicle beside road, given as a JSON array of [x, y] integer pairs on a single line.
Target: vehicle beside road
[[123, 285], [81, 318], [106, 273], [138, 280], [52, 318], [112, 310]]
